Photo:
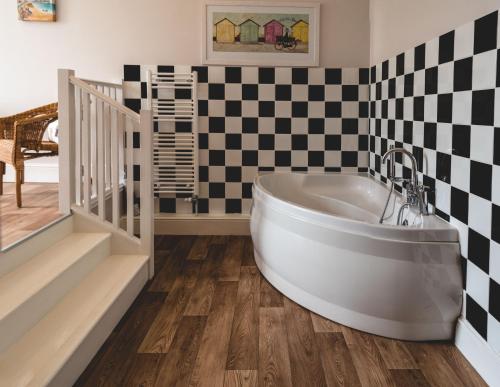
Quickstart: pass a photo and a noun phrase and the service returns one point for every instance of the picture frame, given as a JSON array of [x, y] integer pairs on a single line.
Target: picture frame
[[37, 10], [260, 33]]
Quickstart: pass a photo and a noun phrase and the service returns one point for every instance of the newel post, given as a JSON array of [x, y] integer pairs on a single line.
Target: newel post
[[66, 96]]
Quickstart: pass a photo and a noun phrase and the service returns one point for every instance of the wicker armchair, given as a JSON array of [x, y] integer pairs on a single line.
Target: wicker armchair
[[21, 139]]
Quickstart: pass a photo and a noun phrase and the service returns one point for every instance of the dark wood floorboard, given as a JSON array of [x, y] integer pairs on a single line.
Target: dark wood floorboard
[[209, 318]]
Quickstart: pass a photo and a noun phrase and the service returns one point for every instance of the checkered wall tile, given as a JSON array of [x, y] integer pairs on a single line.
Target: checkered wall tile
[[441, 101], [255, 119]]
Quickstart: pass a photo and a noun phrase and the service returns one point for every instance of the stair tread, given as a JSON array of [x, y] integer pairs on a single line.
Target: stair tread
[[26, 280], [39, 354]]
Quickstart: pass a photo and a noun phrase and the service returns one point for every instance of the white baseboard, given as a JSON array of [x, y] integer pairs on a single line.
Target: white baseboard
[[478, 353], [35, 172], [202, 225]]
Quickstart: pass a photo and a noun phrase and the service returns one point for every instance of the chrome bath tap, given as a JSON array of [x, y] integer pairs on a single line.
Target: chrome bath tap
[[414, 190]]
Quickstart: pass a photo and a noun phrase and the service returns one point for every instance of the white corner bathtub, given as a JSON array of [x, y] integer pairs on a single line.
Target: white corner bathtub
[[317, 240]]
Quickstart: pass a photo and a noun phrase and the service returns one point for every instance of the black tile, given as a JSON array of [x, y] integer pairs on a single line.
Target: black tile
[[446, 47], [385, 108], [250, 158], [137, 172], [166, 69], [430, 129], [250, 125], [392, 88], [461, 140], [363, 142], [399, 108], [418, 108], [349, 126], [233, 206], [136, 140], [385, 70], [408, 87], [283, 125], [203, 140], [283, 92], [233, 74], [133, 104], [266, 141], [299, 142], [216, 91], [378, 91], [483, 107], [203, 108], [250, 92], [299, 109], [283, 158], [202, 73], [216, 157], [233, 108], [132, 73], [300, 76], [496, 147], [246, 189], [462, 74], [364, 76], [233, 141], [144, 90], [233, 174], [350, 93], [477, 317], [316, 93], [478, 250], [480, 179], [316, 159], [266, 75], [445, 108], [408, 132], [333, 76], [333, 109], [431, 193], [168, 205], [316, 126], [183, 127], [459, 206], [443, 167], [373, 74], [485, 33], [333, 142], [266, 108], [420, 57], [494, 305], [495, 223], [498, 68], [400, 64], [349, 159], [216, 124], [463, 263], [363, 109], [431, 80], [203, 173], [183, 94], [391, 129]]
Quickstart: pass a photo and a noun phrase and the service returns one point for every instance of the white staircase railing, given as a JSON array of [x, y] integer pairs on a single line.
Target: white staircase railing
[[96, 158]]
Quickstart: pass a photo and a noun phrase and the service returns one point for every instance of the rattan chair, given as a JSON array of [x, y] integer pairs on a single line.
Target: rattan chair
[[21, 139]]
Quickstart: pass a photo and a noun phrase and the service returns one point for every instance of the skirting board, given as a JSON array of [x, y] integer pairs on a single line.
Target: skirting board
[[202, 225], [478, 353]]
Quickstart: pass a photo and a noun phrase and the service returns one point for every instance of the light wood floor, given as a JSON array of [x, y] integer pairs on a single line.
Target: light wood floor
[[209, 318], [40, 207]]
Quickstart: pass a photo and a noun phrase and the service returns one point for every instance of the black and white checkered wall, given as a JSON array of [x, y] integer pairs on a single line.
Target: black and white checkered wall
[[441, 100], [255, 119]]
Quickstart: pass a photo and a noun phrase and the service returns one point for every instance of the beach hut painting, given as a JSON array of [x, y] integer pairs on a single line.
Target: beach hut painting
[[265, 33], [37, 10], [249, 32]]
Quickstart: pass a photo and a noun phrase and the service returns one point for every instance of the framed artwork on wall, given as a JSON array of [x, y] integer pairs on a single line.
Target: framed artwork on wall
[[261, 33], [37, 10]]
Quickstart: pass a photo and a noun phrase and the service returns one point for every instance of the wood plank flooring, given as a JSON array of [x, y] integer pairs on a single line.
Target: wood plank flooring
[[40, 207], [209, 318]]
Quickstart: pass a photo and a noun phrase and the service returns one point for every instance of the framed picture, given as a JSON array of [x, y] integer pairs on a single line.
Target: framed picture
[[37, 10], [261, 33]]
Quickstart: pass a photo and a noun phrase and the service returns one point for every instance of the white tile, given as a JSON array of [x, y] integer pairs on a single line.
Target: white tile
[[217, 206], [300, 126], [316, 142], [233, 190], [385, 89], [445, 78], [443, 196], [216, 173], [216, 74], [249, 74], [316, 109], [464, 41], [283, 75], [462, 107], [362, 159], [283, 142], [419, 83], [497, 107], [132, 89], [216, 108], [350, 109], [233, 125], [484, 70], [481, 143], [283, 109], [317, 76], [233, 158], [463, 235], [495, 261], [430, 108], [250, 141], [444, 137], [418, 133], [248, 173], [266, 158], [216, 141], [391, 109], [266, 92], [495, 194], [267, 125], [409, 61], [349, 142], [333, 92], [460, 173], [430, 162], [202, 90], [299, 92], [408, 109], [363, 125], [432, 53], [333, 158], [332, 125], [494, 333], [250, 108], [299, 158], [383, 129], [350, 76], [400, 86], [480, 215], [398, 131], [478, 285], [233, 92]]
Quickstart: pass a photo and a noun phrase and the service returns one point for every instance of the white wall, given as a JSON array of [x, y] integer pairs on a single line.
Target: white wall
[[397, 25], [96, 37]]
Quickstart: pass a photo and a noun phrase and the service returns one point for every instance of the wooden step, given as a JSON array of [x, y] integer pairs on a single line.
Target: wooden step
[[58, 348], [33, 288]]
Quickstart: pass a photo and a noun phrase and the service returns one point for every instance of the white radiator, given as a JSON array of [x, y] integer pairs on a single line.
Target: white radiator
[[173, 99]]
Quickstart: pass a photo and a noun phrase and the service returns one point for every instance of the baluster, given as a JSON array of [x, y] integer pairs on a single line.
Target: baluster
[[78, 146], [130, 176], [117, 122], [100, 161], [86, 151]]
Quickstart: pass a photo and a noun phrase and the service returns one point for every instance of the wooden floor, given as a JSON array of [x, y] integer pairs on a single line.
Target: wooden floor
[[210, 319], [40, 207]]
